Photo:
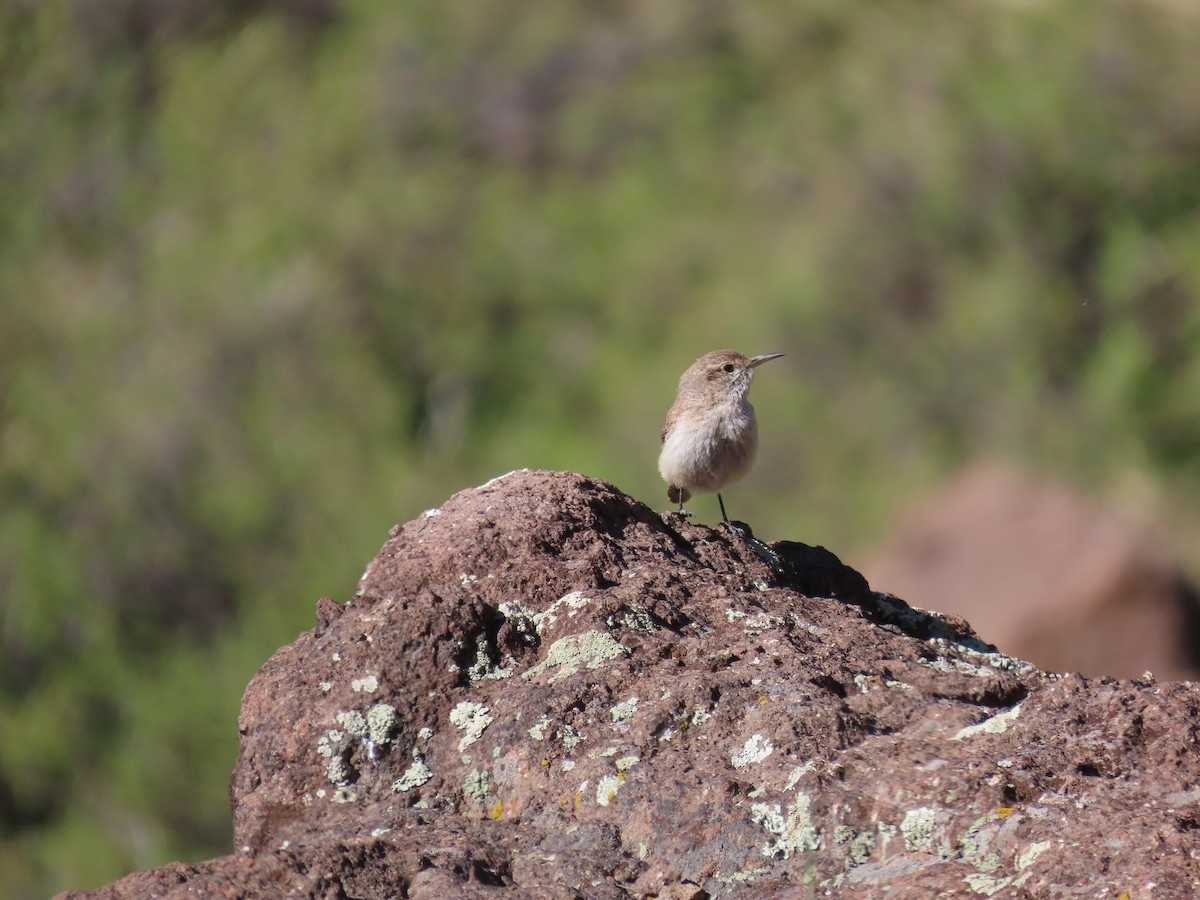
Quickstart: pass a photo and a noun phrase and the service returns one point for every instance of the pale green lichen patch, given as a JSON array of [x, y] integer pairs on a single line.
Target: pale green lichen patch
[[919, 829], [625, 763], [476, 785], [538, 730], [638, 618], [995, 725], [589, 650], [972, 847], [570, 737], [338, 769], [414, 776], [353, 722], [522, 618], [483, 667], [369, 684], [471, 719], [624, 710], [606, 789], [382, 721], [755, 750], [858, 845], [794, 830]]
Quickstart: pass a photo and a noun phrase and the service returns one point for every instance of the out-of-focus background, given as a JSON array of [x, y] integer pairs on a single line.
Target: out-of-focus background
[[276, 275]]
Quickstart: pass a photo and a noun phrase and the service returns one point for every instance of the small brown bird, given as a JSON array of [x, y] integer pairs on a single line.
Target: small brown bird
[[710, 436]]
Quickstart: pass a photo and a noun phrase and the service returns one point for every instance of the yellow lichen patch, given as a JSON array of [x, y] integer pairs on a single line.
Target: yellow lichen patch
[[1003, 812], [545, 760], [497, 811]]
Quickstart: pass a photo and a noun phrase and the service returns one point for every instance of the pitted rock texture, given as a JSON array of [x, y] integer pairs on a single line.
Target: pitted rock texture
[[544, 689]]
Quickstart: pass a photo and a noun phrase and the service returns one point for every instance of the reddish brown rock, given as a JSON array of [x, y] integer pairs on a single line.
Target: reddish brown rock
[[1047, 575], [545, 690]]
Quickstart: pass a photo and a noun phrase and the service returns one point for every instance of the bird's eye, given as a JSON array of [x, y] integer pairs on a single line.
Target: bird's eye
[[728, 367]]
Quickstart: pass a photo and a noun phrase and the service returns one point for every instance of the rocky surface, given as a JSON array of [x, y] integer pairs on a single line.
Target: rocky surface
[[1047, 575], [544, 689]]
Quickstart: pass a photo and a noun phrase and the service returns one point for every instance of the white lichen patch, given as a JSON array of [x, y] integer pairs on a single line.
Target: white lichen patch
[[430, 513], [755, 750], [471, 719], [794, 830], [984, 657], [589, 650], [995, 725], [954, 666], [753, 623], [606, 789], [325, 686], [379, 832], [492, 482], [624, 710], [1029, 855], [700, 716], [570, 604], [797, 773], [368, 684], [538, 730]]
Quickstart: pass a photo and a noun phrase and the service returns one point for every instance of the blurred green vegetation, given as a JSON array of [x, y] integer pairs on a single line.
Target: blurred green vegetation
[[277, 275]]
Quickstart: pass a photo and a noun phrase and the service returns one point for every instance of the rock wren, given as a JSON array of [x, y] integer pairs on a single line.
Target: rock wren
[[710, 435]]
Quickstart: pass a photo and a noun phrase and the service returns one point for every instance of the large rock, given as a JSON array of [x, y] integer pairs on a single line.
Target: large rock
[[1049, 576], [543, 689]]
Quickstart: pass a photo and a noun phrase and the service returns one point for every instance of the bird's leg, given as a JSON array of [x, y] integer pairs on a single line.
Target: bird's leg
[[724, 518]]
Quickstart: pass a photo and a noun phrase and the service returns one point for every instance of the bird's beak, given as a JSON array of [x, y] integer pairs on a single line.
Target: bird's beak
[[756, 361]]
